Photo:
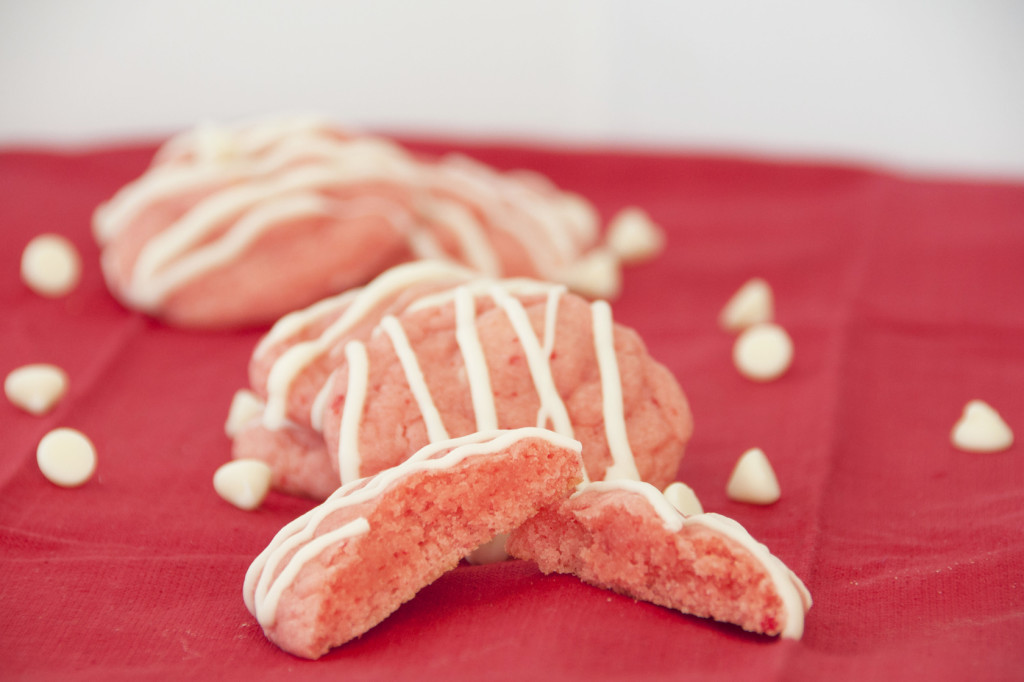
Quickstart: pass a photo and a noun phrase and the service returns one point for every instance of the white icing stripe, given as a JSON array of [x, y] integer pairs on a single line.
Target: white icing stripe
[[259, 577], [216, 210], [423, 244], [247, 136], [266, 608], [162, 183], [149, 291], [551, 320], [282, 373], [316, 410], [477, 374], [671, 518], [264, 584], [249, 214], [293, 361], [513, 207], [158, 184], [791, 590], [551, 406], [256, 135], [624, 466], [476, 249], [294, 322], [352, 413], [414, 375], [221, 207], [481, 286]]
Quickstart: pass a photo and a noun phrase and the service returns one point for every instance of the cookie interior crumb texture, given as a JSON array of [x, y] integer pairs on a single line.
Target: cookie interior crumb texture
[[626, 537]]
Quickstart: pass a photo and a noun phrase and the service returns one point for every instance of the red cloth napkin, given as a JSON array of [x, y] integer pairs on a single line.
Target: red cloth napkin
[[904, 298]]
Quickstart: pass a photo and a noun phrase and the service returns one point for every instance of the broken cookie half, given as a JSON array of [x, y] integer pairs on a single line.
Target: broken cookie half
[[625, 536], [338, 570]]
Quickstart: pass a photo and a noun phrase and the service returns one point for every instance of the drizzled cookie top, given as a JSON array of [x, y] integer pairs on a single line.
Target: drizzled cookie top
[[552, 413], [306, 351], [245, 181]]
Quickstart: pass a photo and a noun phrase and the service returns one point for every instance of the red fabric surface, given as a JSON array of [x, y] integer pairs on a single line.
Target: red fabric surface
[[904, 300]]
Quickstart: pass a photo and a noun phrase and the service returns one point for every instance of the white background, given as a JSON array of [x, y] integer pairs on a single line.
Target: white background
[[924, 85]]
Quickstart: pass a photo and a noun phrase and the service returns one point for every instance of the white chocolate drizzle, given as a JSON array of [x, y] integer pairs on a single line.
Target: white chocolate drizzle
[[356, 306], [316, 411], [794, 595], [624, 465], [461, 290], [352, 411], [414, 375], [295, 545], [552, 409], [255, 173], [468, 338]]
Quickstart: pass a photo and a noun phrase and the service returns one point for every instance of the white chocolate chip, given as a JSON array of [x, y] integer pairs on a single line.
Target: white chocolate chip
[[682, 497], [763, 352], [243, 482], [752, 303], [576, 210], [634, 237], [981, 429], [66, 457], [50, 265], [596, 275], [753, 479], [36, 388], [490, 552], [245, 407]]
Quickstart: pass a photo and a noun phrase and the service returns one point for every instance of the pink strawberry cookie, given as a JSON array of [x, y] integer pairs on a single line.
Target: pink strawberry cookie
[[338, 570], [428, 351], [237, 225]]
